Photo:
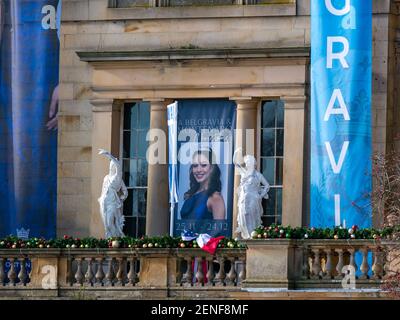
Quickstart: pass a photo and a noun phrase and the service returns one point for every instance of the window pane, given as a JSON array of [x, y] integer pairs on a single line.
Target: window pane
[[130, 204], [130, 226], [268, 114], [268, 169], [130, 116], [143, 144], [144, 115], [142, 202], [269, 204], [141, 227], [130, 173], [280, 114], [130, 144], [279, 172], [135, 204], [279, 203], [268, 142], [142, 173], [279, 143], [268, 220]]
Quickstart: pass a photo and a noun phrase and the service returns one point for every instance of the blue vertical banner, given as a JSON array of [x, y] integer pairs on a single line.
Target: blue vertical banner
[[29, 62], [341, 75]]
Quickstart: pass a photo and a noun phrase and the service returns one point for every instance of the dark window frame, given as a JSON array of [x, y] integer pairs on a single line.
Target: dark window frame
[[139, 186], [276, 190]]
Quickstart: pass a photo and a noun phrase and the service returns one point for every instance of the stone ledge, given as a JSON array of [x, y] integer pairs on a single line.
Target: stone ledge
[[186, 54]]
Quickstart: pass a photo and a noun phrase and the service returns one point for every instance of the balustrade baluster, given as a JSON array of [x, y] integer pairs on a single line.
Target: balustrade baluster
[[199, 274], [110, 276], [306, 263], [340, 264], [377, 267], [100, 272], [364, 268], [316, 267], [12, 275], [23, 276], [89, 276], [132, 271], [79, 277], [2, 273], [232, 275], [69, 276], [352, 260], [210, 271], [188, 275], [242, 273], [121, 274], [179, 274], [220, 278], [328, 265]]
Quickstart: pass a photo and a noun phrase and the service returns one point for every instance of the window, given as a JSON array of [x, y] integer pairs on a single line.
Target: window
[[271, 159], [175, 3], [136, 123], [179, 3]]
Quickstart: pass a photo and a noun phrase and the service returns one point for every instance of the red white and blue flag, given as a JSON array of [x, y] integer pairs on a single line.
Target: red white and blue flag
[[204, 240]]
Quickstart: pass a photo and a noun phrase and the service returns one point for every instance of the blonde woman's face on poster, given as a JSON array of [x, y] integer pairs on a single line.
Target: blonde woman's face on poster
[[201, 168]]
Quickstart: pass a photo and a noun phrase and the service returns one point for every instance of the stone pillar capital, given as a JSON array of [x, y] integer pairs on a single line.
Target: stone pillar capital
[[106, 105], [158, 104], [294, 102], [245, 102]]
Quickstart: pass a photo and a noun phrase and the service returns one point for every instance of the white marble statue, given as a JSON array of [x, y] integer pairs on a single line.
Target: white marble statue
[[252, 189], [113, 194]]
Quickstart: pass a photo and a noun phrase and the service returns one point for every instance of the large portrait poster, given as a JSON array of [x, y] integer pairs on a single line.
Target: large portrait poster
[[29, 61], [205, 173]]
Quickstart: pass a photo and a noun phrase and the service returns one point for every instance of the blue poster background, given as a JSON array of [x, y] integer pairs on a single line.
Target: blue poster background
[[197, 115], [29, 60], [353, 183]]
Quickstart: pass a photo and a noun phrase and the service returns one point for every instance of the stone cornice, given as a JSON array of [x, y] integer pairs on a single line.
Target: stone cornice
[[193, 54]]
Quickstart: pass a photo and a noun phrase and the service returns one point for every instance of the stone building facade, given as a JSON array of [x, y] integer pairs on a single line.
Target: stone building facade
[[114, 53]]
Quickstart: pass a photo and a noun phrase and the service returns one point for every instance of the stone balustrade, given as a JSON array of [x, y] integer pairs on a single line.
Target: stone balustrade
[[187, 272], [327, 262], [307, 264], [142, 271], [226, 268]]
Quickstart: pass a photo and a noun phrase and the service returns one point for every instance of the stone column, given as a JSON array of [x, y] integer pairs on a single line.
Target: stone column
[[293, 164], [157, 212], [105, 135], [246, 133]]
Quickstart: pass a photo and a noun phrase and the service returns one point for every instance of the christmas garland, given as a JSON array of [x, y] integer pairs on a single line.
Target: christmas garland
[[281, 232], [68, 242], [271, 232]]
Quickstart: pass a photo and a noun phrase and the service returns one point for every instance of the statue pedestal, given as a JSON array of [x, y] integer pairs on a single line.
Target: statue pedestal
[[271, 263]]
